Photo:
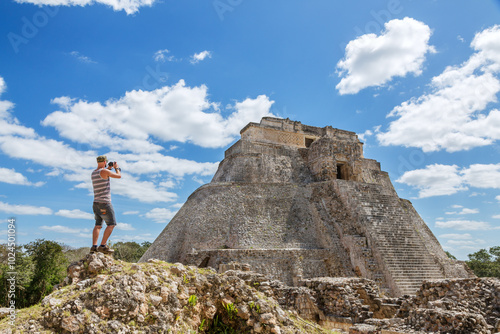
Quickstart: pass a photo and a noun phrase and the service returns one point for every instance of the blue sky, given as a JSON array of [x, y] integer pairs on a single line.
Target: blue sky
[[164, 87]]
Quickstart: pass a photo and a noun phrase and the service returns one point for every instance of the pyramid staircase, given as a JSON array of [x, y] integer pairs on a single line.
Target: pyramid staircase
[[387, 226]]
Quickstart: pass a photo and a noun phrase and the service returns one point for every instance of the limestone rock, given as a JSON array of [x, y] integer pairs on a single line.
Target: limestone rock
[[151, 298]]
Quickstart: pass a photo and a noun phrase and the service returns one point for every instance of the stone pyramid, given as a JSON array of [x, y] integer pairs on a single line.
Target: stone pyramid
[[296, 201]]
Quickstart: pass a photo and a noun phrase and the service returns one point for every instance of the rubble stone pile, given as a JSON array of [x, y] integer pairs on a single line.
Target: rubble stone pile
[[102, 295], [470, 305]]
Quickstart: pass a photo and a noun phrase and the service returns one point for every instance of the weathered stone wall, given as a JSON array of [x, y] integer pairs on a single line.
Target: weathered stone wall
[[341, 297], [251, 162], [286, 265], [465, 304], [243, 216], [266, 135]]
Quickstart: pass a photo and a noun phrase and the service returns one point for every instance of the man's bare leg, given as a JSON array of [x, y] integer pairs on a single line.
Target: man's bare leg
[[95, 234], [107, 233]]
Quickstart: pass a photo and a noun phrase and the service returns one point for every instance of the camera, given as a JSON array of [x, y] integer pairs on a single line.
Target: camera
[[112, 164]]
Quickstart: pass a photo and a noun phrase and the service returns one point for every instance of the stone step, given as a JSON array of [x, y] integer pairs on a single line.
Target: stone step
[[398, 272], [401, 271], [417, 275], [409, 260], [417, 282], [395, 265], [411, 271], [395, 270], [397, 247], [414, 254], [410, 286], [400, 249], [391, 246], [409, 257], [425, 268]]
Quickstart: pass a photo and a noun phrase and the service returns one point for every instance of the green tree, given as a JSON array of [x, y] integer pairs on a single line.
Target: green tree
[[485, 263], [49, 267], [451, 256], [129, 251], [75, 254], [23, 275]]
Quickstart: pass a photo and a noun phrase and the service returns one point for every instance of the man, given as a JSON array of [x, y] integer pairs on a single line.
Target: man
[[103, 210]]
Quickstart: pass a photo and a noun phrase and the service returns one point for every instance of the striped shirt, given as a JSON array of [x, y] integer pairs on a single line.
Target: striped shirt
[[102, 188]]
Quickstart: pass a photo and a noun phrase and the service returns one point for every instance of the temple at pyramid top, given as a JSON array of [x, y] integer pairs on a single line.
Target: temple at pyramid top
[[296, 201], [286, 132]]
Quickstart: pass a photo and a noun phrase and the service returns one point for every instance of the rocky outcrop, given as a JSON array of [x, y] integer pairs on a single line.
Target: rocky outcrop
[[102, 295]]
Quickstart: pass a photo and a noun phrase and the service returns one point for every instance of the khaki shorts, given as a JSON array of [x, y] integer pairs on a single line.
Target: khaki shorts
[[104, 211]]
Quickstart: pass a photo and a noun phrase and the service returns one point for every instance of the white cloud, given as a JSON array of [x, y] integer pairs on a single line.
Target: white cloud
[[197, 57], [160, 215], [82, 58], [465, 225], [129, 6], [363, 136], [246, 111], [455, 236], [129, 186], [124, 227], [466, 242], [12, 177], [135, 237], [130, 213], [74, 214], [498, 198], [162, 56], [10, 125], [496, 217], [19, 209], [483, 176], [167, 184], [372, 60], [143, 191], [488, 44], [64, 229], [47, 152], [435, 180], [3, 85], [148, 163], [466, 211], [452, 116], [180, 113]]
